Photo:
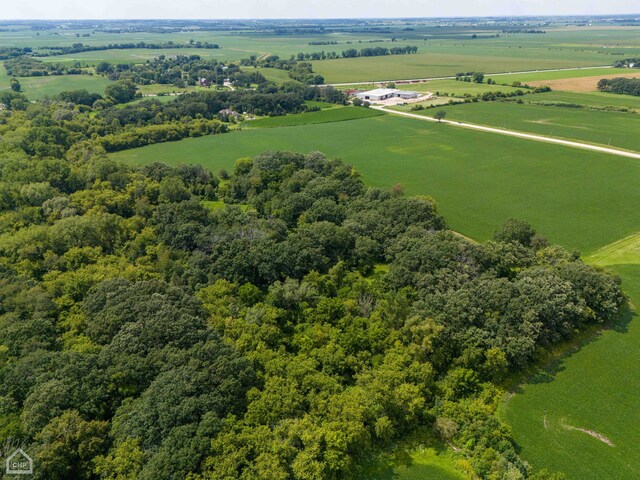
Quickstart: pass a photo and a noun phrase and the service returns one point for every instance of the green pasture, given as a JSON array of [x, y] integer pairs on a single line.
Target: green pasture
[[595, 99], [557, 75], [595, 389], [39, 87], [272, 74], [617, 129], [328, 115], [455, 87], [578, 198], [158, 88]]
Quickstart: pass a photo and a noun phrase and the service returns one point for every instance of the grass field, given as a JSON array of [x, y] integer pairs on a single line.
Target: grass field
[[328, 115], [39, 87], [618, 129], [427, 464], [596, 99], [595, 389], [157, 88], [578, 198], [557, 75]]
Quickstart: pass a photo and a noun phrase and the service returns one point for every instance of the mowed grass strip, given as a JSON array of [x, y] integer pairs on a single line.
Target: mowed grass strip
[[580, 199], [615, 129], [328, 115], [594, 389], [428, 463], [621, 252]]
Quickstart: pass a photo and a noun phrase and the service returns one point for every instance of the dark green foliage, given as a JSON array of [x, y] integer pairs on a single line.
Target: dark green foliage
[[143, 333], [122, 91], [626, 86]]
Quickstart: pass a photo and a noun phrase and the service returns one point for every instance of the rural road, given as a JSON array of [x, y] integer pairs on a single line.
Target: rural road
[[513, 133], [452, 77]]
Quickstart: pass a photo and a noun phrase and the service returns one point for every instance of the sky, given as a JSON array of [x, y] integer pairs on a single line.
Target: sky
[[219, 9]]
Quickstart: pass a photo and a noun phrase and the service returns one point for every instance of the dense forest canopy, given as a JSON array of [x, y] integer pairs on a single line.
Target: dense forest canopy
[[283, 322]]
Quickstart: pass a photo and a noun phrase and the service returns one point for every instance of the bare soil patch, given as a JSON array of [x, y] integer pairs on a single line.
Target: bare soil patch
[[584, 84], [592, 433]]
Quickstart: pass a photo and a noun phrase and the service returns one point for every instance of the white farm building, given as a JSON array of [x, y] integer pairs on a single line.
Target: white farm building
[[384, 93]]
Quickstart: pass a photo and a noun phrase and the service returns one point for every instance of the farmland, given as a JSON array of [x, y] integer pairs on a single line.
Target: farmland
[[444, 61], [593, 388], [595, 99], [476, 189], [617, 129], [336, 114], [136, 55], [575, 412], [39, 87], [584, 84]]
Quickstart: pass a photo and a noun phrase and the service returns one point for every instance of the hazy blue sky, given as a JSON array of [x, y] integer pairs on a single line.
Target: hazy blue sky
[[31, 9]]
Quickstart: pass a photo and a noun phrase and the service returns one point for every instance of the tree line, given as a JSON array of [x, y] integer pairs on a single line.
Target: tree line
[[80, 47], [56, 124], [181, 71], [626, 86]]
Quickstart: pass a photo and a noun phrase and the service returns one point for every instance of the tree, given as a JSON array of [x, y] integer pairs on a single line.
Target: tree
[[15, 85], [440, 115], [515, 231], [122, 91], [478, 77]]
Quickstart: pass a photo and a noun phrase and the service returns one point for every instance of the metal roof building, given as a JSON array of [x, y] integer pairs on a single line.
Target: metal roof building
[[383, 93]]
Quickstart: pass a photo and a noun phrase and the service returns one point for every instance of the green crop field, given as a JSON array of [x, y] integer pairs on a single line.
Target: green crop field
[[594, 389], [443, 62], [578, 198], [39, 87], [618, 129]]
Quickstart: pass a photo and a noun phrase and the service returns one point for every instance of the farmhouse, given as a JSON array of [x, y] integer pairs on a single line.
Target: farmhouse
[[384, 93]]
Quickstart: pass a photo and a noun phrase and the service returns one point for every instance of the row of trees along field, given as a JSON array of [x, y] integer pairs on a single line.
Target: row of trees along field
[[626, 86], [305, 328], [50, 128]]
